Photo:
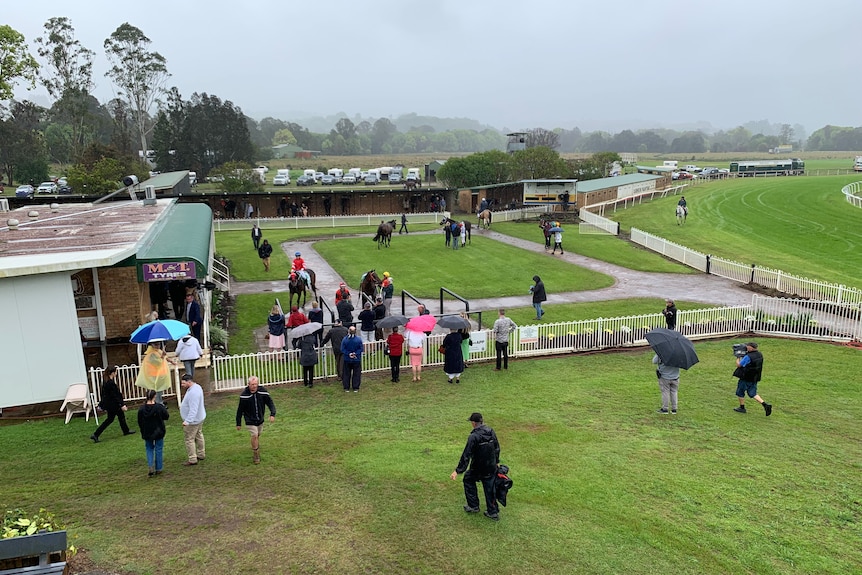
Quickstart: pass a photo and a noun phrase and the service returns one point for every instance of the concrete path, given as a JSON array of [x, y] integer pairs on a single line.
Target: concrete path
[[627, 283]]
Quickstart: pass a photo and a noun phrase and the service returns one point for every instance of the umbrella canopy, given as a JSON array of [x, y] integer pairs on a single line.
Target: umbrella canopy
[[391, 321], [160, 330], [305, 329], [556, 229], [672, 348], [453, 322], [421, 323]]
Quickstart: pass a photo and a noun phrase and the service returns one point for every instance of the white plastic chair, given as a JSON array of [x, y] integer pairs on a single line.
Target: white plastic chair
[[77, 401]]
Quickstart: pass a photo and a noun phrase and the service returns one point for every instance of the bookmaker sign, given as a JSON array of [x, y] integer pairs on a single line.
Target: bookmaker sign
[[165, 271]]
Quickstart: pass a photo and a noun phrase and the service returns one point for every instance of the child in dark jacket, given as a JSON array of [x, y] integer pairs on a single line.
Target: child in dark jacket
[[151, 421]]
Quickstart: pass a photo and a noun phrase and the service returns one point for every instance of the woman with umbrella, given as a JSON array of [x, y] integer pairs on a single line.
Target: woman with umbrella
[[558, 239], [154, 373], [415, 334]]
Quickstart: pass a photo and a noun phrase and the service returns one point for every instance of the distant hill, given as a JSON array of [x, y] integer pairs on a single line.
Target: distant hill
[[323, 124]]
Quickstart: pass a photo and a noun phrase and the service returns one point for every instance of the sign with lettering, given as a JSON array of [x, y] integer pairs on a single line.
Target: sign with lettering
[[166, 271]]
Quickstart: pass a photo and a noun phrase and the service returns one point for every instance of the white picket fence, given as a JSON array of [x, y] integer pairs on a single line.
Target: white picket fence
[[852, 193], [796, 286]]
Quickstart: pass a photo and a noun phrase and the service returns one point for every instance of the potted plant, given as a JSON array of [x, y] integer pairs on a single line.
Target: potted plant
[[33, 541]]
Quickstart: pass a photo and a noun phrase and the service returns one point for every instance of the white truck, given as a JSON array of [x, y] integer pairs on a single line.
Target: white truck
[[857, 165]]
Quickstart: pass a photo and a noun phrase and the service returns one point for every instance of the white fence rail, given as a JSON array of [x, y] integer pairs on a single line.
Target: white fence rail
[[125, 379], [852, 193], [325, 221], [796, 286]]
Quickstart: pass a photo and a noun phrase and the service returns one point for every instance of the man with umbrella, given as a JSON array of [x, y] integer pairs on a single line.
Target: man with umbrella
[[672, 352]]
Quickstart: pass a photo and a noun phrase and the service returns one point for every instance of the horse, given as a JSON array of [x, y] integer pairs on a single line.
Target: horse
[[681, 214], [384, 233], [297, 285], [370, 285], [412, 184], [485, 219], [467, 226]]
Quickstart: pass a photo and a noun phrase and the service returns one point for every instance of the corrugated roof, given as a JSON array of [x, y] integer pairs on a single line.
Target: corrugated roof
[[183, 234], [165, 181], [73, 236], [587, 186]]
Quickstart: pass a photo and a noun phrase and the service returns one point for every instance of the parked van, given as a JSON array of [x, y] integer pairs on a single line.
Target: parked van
[[338, 173], [670, 164], [193, 179], [309, 173], [413, 172], [356, 172]]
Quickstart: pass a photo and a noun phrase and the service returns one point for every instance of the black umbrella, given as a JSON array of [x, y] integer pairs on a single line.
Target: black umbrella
[[672, 348], [453, 322], [391, 321]]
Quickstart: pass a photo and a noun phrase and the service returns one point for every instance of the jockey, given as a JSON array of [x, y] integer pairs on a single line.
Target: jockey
[[298, 267], [681, 202], [341, 293]]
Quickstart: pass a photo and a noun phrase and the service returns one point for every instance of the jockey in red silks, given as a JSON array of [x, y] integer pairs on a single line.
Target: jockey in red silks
[[298, 267]]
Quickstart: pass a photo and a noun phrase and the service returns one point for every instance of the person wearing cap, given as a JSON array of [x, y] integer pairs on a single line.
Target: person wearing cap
[[253, 402], [669, 313], [336, 333], [387, 287], [341, 293], [298, 267], [264, 252], [748, 369], [482, 455], [351, 348], [193, 413]]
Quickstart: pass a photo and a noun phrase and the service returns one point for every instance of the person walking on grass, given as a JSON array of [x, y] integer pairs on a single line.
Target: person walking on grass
[[189, 352], [403, 227], [482, 455], [558, 242], [502, 328], [253, 402], [264, 252], [749, 369], [668, 385], [113, 402], [193, 413], [256, 235], [539, 296], [151, 422]]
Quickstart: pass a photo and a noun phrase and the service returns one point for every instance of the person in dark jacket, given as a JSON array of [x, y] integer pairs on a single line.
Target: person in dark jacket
[[366, 327], [308, 358], [337, 333], [453, 357], [253, 402], [482, 455], [351, 349], [275, 326], [539, 295], [151, 421], [669, 313], [112, 401], [315, 314], [345, 312], [256, 234], [749, 369], [379, 313], [264, 252]]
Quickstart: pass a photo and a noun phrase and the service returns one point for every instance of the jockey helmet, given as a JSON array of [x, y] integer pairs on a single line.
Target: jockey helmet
[[386, 274], [297, 254]]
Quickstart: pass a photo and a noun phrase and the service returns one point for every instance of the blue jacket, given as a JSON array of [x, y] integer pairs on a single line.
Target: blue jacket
[[352, 345]]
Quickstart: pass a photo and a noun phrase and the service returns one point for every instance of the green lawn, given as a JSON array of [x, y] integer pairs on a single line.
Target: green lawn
[[802, 226], [359, 483], [604, 247]]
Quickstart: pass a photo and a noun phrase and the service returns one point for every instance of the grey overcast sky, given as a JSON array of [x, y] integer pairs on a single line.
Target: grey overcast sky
[[507, 63]]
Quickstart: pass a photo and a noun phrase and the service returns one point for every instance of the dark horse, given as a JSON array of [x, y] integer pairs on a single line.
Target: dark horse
[[384, 233], [370, 284], [298, 286], [467, 225]]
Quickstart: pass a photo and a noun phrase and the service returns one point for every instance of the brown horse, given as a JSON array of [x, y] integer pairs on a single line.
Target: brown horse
[[384, 233], [467, 226], [297, 285], [484, 219], [370, 285]]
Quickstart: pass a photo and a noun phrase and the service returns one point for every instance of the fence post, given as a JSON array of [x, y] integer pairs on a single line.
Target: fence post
[[751, 279], [708, 263]]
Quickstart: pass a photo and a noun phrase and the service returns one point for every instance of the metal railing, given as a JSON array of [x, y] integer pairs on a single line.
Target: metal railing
[[220, 275]]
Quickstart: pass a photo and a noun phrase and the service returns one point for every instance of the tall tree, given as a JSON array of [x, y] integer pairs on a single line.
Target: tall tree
[[539, 163], [138, 74], [22, 152], [69, 64], [381, 133], [346, 128], [542, 137], [16, 63], [480, 169]]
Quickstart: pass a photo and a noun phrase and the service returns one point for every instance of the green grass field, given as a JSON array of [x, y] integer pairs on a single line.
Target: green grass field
[[802, 226], [359, 482]]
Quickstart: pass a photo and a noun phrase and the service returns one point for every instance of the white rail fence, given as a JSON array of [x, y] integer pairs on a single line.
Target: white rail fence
[[796, 286], [791, 318], [852, 193], [593, 215]]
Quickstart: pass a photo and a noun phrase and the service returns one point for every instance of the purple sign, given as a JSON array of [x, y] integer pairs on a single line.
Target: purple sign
[[166, 271]]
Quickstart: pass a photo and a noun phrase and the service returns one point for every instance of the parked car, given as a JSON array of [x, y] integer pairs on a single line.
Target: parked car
[[305, 181], [709, 173], [318, 176], [64, 190], [62, 182], [281, 180], [685, 176], [327, 180], [394, 179], [371, 180], [25, 191], [47, 188], [348, 179]]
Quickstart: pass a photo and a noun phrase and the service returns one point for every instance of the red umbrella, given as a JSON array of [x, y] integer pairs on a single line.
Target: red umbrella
[[421, 323]]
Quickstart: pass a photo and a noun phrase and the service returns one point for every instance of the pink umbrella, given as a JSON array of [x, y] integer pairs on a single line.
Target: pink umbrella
[[421, 323]]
